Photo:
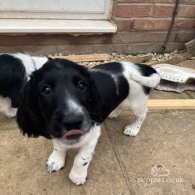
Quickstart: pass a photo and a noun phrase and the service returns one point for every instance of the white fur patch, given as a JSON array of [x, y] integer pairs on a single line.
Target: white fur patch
[[5, 107], [30, 63], [82, 160], [131, 72], [56, 160], [39, 61], [136, 99], [85, 139], [78, 173], [74, 106]]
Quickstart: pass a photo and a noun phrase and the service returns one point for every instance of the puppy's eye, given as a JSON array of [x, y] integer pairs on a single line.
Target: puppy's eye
[[82, 86], [46, 90]]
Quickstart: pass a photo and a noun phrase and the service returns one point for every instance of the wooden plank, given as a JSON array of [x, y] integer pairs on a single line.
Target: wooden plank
[[85, 58], [141, 58], [183, 104]]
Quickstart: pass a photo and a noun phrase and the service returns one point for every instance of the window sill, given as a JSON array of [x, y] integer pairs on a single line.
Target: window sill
[[56, 26]]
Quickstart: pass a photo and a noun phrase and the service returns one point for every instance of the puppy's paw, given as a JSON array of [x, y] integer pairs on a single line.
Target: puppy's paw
[[131, 130], [55, 162], [77, 179]]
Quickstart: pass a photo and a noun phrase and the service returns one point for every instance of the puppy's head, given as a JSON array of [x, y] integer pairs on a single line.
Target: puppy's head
[[57, 102]]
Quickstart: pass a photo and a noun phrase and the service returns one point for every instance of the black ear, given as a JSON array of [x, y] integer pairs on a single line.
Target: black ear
[[93, 94], [29, 117], [93, 98]]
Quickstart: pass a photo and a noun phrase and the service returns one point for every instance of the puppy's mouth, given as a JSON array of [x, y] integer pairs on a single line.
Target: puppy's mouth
[[73, 134]]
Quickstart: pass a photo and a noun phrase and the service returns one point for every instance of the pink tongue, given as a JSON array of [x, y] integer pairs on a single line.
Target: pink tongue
[[73, 132]]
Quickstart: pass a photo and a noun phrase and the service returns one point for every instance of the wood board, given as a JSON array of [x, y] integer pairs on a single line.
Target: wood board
[[168, 104], [85, 58]]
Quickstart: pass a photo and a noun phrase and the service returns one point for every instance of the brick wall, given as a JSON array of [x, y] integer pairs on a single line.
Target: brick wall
[[149, 21], [142, 27]]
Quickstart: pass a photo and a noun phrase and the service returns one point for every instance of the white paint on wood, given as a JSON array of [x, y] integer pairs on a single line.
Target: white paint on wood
[[56, 26]]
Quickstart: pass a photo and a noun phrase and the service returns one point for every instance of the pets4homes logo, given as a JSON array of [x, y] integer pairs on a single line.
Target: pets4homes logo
[[160, 171], [160, 174]]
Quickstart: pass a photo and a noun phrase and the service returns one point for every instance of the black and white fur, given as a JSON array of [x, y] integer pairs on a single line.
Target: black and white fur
[[62, 98], [14, 73]]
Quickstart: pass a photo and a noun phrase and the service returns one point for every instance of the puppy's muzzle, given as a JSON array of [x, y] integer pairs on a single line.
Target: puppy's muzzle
[[73, 125], [70, 125], [73, 133], [72, 121]]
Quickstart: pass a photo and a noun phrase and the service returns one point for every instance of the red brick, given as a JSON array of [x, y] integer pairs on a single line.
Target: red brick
[[151, 37], [139, 37], [124, 25], [163, 10], [146, 1], [114, 10], [183, 36], [185, 24], [157, 1], [151, 24], [163, 24], [188, 2], [186, 11], [133, 10], [166, 10]]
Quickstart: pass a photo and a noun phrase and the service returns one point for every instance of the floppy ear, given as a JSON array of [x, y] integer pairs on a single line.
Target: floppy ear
[[29, 117], [93, 94], [94, 100]]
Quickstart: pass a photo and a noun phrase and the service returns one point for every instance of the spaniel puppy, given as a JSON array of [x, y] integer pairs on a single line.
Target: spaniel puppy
[[14, 73], [68, 103]]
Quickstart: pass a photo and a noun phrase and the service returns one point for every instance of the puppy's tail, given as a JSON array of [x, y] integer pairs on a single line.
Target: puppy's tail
[[151, 81]]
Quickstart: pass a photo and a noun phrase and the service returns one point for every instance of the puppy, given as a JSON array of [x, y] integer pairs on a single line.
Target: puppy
[[14, 73], [67, 103]]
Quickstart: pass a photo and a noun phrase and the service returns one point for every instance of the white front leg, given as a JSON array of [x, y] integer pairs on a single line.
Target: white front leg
[[56, 160], [82, 160]]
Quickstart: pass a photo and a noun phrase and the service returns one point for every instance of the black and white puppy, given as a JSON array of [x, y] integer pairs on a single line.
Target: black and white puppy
[[14, 73], [67, 103]]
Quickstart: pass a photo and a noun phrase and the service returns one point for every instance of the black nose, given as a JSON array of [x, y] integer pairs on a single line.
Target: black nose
[[72, 122]]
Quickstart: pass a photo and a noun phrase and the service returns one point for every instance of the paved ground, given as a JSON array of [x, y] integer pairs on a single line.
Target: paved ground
[[121, 164]]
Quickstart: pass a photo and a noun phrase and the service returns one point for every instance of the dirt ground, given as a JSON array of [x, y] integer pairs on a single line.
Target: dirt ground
[[160, 160]]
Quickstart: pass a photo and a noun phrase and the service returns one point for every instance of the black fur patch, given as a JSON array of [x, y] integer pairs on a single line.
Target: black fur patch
[[112, 68], [84, 164], [110, 95], [12, 78]]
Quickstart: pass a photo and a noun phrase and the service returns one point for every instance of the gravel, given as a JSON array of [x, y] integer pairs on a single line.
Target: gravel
[[154, 58]]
